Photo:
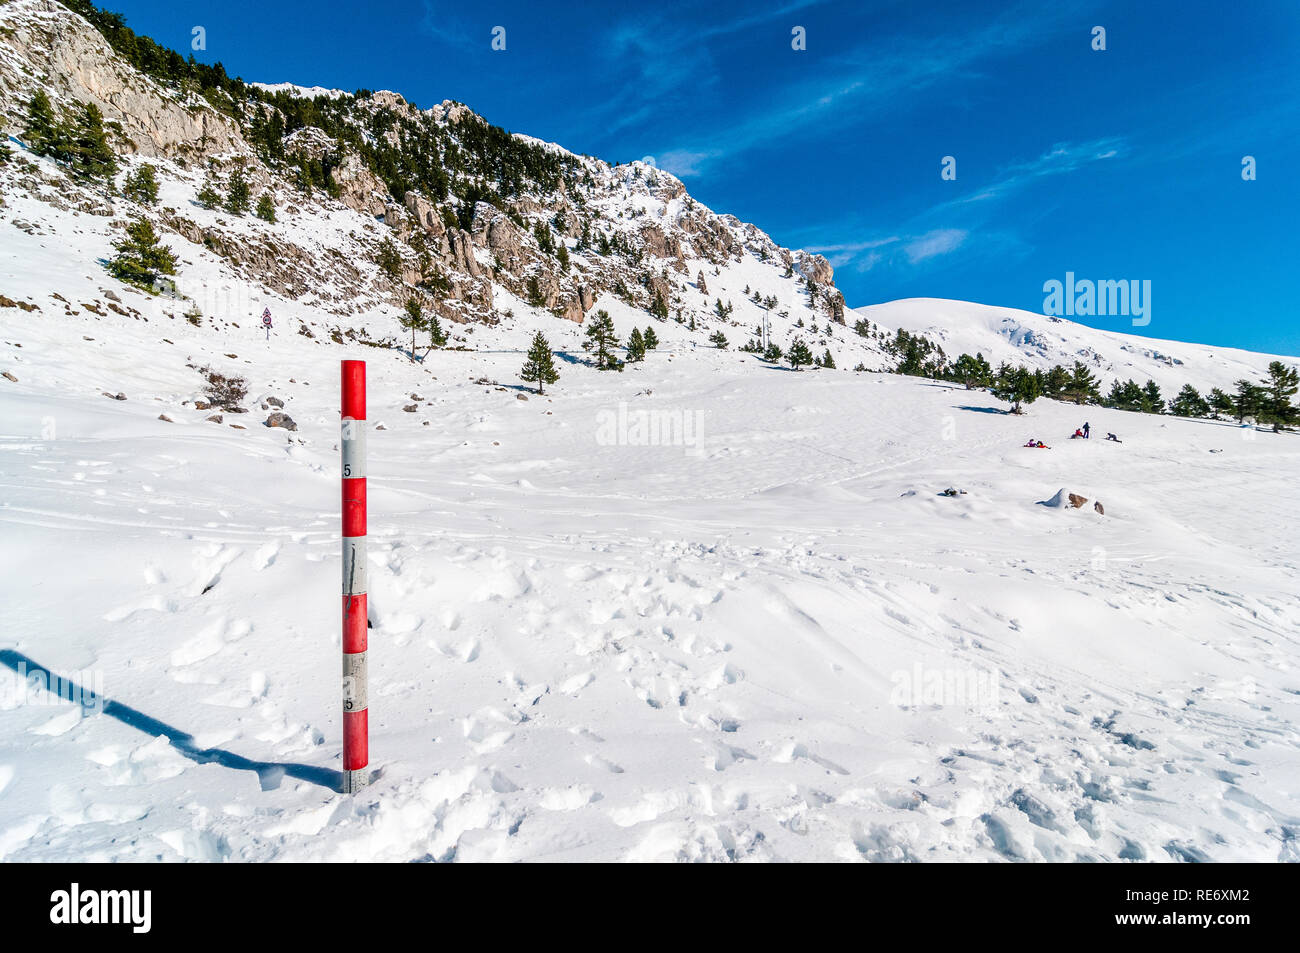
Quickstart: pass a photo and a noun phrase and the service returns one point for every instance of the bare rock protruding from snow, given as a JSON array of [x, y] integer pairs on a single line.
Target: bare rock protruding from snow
[[47, 45], [281, 420]]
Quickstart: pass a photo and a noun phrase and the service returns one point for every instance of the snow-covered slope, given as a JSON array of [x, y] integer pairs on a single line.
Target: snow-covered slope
[[773, 641], [1042, 341]]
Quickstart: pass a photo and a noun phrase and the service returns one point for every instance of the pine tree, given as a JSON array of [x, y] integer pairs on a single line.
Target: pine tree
[[540, 364], [389, 260], [141, 185], [773, 353], [1017, 386], [1282, 384], [1248, 401], [1152, 401], [971, 371], [828, 360], [799, 355], [141, 257], [650, 338], [237, 193], [208, 196], [535, 296], [1189, 403], [562, 256], [1126, 396], [718, 340], [43, 131], [88, 150], [602, 336], [437, 336], [659, 307], [1220, 402], [1055, 382], [266, 207], [635, 346], [1082, 388], [412, 319]]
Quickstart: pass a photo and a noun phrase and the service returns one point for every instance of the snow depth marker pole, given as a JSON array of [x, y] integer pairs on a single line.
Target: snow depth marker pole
[[356, 734]]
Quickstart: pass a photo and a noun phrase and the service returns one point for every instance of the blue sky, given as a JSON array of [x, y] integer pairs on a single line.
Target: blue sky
[[1116, 164]]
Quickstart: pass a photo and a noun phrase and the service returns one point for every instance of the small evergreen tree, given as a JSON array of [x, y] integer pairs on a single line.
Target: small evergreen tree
[[88, 149], [42, 129], [828, 360], [1189, 403], [1082, 388], [539, 366], [650, 338], [971, 372], [1017, 386], [772, 354], [389, 260], [602, 336], [1220, 402], [412, 319], [141, 185], [1055, 382], [437, 336], [209, 196], [535, 296], [659, 307], [636, 346], [718, 340], [266, 207], [237, 193], [1152, 401], [1282, 384], [1248, 401], [562, 256], [141, 257], [799, 355]]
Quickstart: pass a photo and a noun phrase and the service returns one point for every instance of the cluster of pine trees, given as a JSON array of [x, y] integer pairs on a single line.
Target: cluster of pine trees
[[76, 138], [470, 159]]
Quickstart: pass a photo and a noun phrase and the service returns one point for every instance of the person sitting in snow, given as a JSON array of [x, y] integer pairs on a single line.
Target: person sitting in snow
[[1078, 434], [1111, 436]]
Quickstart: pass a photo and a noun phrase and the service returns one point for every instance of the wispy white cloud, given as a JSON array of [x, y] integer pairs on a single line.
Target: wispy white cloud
[[879, 76], [941, 241]]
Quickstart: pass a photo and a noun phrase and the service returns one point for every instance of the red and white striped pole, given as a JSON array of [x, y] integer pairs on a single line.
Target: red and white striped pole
[[356, 733]]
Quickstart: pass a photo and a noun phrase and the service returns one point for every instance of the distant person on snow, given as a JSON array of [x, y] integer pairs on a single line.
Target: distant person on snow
[[1111, 436], [1086, 430], [1077, 434]]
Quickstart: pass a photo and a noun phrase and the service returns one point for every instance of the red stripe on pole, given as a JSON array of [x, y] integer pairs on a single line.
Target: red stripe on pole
[[356, 740], [354, 389], [354, 624], [354, 507]]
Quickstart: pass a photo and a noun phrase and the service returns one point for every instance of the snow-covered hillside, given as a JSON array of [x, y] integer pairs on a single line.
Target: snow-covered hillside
[[1043, 341], [773, 639]]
